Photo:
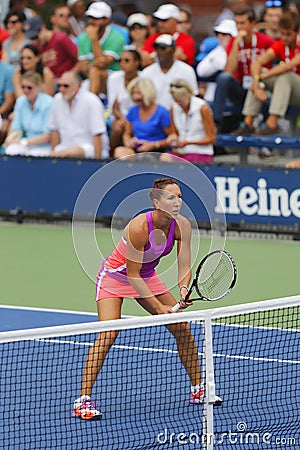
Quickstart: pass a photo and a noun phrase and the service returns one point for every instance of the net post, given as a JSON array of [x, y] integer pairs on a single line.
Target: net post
[[208, 406]]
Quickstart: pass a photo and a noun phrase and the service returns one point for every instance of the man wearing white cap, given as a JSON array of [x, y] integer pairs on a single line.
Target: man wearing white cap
[[215, 61], [167, 17], [100, 47], [167, 69]]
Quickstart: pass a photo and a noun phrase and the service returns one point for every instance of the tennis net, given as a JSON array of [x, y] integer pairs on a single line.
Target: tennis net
[[249, 356]]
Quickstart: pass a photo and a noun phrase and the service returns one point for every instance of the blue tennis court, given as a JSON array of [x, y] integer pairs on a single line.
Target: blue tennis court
[[143, 389]]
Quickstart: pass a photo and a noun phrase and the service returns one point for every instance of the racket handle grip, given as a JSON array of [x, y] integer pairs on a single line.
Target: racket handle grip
[[176, 307]]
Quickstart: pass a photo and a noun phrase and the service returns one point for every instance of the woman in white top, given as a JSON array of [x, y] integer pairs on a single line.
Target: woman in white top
[[119, 99], [193, 120]]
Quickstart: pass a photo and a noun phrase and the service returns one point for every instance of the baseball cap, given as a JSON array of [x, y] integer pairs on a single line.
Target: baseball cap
[[32, 27], [166, 40], [167, 11], [138, 18], [206, 46], [227, 26], [99, 10]]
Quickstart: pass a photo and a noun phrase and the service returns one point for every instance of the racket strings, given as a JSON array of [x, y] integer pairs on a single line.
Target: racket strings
[[216, 276]]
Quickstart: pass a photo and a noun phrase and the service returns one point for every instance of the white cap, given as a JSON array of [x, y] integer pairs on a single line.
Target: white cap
[[227, 26], [165, 39], [138, 18], [167, 11], [98, 10]]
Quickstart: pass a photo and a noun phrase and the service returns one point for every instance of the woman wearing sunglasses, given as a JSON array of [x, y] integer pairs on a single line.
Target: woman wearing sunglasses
[[195, 128], [14, 23], [31, 59], [30, 135]]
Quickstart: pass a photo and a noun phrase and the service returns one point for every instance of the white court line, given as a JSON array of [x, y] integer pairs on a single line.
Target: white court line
[[62, 311]]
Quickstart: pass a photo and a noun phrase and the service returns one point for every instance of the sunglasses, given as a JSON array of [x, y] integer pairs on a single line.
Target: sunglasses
[[63, 85], [161, 46], [13, 22], [63, 15], [25, 86], [137, 26], [177, 86], [273, 3]]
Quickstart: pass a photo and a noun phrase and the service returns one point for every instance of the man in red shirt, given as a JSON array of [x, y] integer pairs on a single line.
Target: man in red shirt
[[282, 80], [167, 17], [58, 51], [242, 50]]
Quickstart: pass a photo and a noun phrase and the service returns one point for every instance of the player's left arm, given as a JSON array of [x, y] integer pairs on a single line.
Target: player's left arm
[[183, 236]]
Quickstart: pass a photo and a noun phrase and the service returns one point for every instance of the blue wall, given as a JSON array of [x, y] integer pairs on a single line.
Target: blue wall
[[247, 194]]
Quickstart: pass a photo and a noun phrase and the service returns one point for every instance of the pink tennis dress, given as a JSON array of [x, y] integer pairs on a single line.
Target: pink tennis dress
[[112, 277]]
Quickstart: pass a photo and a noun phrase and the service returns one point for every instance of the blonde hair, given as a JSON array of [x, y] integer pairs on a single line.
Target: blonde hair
[[146, 87], [180, 87], [33, 76]]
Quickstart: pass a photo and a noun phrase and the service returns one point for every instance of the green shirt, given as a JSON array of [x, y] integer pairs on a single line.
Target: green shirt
[[112, 44]]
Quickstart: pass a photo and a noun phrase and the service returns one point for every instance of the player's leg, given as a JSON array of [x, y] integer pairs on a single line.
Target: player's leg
[[186, 345], [84, 407]]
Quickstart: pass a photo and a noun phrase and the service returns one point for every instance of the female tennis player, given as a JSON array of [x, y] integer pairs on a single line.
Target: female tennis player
[[129, 271]]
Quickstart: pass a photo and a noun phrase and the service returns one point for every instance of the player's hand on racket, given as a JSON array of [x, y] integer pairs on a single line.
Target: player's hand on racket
[[215, 277], [185, 299]]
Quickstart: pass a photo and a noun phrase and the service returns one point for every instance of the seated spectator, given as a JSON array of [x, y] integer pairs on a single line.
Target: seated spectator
[[29, 134], [194, 124], [137, 24], [148, 123], [214, 63], [233, 83], [31, 60], [166, 68], [11, 48], [100, 47], [282, 80], [206, 46], [184, 24], [270, 19], [76, 20], [58, 51], [7, 97], [167, 17], [77, 122], [119, 100], [59, 19]]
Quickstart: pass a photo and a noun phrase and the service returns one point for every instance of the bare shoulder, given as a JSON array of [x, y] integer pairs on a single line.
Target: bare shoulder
[[137, 227], [183, 228]]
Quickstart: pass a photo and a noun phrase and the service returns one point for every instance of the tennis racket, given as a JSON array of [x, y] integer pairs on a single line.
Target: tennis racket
[[214, 278]]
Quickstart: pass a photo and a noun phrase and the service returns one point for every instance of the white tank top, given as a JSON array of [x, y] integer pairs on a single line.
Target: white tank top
[[190, 127]]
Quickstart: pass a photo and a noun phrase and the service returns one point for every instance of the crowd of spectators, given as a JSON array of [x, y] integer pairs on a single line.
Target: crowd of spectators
[[96, 83]]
